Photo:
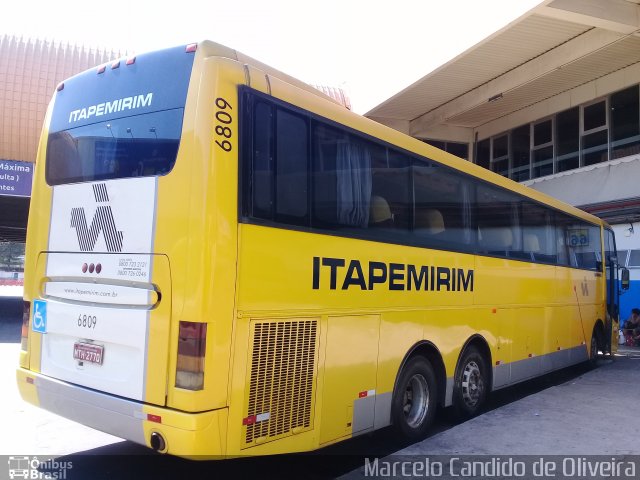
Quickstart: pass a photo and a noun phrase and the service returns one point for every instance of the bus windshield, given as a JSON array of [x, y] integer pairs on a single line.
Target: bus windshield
[[134, 146]]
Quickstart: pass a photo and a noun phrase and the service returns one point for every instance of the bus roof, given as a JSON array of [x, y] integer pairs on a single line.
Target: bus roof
[[214, 49]]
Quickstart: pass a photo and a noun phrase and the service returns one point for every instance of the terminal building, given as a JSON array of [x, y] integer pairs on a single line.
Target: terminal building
[[552, 100]]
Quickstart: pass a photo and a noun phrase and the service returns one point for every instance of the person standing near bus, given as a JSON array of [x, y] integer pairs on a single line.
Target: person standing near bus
[[632, 326]]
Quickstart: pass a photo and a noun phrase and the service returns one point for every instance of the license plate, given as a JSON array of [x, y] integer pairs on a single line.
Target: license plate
[[88, 352]]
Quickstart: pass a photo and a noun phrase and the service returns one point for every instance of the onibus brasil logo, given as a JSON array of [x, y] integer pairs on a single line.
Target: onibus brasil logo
[[102, 221], [33, 468]]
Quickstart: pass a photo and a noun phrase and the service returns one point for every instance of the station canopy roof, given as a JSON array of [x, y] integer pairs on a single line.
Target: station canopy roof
[[556, 46]]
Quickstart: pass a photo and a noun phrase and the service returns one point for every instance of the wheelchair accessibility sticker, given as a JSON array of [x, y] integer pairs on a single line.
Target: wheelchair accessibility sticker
[[39, 323]]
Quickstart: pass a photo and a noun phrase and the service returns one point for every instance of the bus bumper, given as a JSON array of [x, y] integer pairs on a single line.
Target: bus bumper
[[190, 435]]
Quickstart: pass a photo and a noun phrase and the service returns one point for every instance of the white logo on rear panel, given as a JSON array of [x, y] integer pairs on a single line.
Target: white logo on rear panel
[[113, 216], [102, 222]]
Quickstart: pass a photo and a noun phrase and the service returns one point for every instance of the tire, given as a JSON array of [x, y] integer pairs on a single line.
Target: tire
[[471, 384], [596, 344], [415, 400]]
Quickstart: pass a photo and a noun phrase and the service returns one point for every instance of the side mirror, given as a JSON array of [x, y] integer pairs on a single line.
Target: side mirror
[[624, 277]]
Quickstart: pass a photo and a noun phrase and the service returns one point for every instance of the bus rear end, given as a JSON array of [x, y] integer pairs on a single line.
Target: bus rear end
[[104, 339]]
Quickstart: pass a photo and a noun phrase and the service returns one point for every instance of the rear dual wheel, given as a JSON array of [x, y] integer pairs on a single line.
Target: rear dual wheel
[[415, 400]]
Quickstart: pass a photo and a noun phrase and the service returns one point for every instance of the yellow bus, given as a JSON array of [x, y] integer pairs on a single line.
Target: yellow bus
[[222, 261]]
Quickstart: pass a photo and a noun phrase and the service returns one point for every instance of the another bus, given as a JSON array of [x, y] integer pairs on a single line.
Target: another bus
[[222, 261]]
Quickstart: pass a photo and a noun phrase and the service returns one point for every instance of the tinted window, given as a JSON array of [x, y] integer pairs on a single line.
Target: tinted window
[[262, 161], [342, 179], [483, 158], [355, 186], [391, 185], [442, 207], [500, 156], [622, 257], [458, 149], [568, 139], [520, 143], [594, 116], [496, 212], [538, 235], [542, 133], [625, 122], [437, 144], [291, 168], [594, 148], [581, 242], [141, 145], [634, 258]]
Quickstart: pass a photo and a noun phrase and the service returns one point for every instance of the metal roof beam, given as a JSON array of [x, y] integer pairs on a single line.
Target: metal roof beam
[[544, 64], [616, 15]]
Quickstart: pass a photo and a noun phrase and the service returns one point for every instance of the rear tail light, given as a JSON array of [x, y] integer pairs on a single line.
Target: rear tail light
[[192, 343], [26, 315]]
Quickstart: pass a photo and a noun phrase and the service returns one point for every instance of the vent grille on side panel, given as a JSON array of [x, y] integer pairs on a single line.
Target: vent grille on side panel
[[281, 379]]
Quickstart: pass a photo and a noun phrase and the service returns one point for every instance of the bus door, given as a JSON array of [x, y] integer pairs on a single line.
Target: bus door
[[612, 323]]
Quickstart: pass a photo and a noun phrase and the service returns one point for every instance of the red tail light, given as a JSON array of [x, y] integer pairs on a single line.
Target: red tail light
[[192, 345], [26, 315]]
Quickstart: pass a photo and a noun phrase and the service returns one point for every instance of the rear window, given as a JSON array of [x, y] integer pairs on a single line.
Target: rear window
[[136, 146]]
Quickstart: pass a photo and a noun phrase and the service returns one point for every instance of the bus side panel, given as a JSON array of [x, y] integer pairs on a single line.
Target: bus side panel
[[285, 274], [37, 240], [350, 393], [537, 334]]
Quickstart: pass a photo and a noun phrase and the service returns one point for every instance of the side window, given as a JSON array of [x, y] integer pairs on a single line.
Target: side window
[[589, 255], [622, 257], [292, 162], [634, 259], [496, 213], [442, 207], [279, 168], [391, 199], [562, 226], [262, 168], [341, 179], [581, 242], [538, 235]]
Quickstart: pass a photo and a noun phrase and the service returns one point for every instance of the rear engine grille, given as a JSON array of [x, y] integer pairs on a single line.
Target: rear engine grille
[[282, 379]]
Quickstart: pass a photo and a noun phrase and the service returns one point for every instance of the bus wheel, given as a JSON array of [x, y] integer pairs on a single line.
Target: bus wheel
[[596, 342], [471, 384], [414, 403]]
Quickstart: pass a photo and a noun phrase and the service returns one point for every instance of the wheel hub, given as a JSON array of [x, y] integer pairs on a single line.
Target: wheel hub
[[472, 384], [415, 403]]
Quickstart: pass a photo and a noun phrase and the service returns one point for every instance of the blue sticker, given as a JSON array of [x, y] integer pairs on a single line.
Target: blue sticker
[[39, 320]]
